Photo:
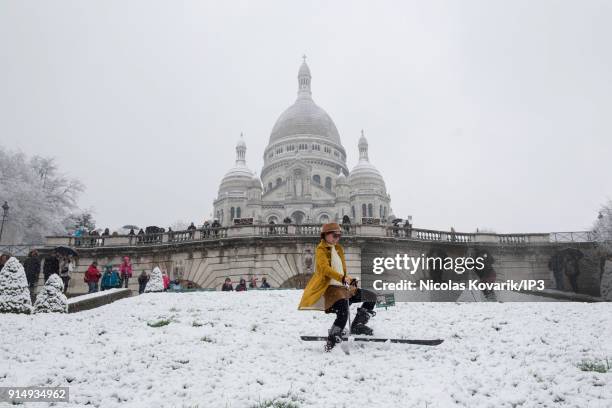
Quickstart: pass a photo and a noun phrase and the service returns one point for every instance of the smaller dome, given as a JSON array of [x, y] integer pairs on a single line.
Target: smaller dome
[[341, 179], [240, 176], [365, 173]]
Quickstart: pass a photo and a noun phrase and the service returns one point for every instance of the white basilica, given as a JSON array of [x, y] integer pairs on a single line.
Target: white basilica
[[305, 175]]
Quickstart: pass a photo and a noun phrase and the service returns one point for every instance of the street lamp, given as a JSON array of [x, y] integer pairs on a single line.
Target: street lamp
[[5, 208]]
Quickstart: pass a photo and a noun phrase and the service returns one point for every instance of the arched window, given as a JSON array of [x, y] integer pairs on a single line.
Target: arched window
[[370, 210], [316, 178], [328, 183], [270, 186], [380, 213], [353, 211], [323, 219], [238, 212], [278, 181], [232, 213], [363, 210]]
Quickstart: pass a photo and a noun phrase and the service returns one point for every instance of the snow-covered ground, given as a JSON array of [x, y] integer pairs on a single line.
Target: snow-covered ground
[[228, 349]]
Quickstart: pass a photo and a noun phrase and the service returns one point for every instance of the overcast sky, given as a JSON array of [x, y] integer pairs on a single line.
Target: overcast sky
[[489, 114]]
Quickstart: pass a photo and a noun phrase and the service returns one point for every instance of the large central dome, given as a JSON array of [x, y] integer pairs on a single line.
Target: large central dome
[[304, 117]]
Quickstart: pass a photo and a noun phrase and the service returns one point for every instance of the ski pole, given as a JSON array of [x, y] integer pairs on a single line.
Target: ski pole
[[348, 306], [348, 311]]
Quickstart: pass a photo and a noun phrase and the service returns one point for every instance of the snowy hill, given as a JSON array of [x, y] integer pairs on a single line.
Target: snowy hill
[[228, 349]]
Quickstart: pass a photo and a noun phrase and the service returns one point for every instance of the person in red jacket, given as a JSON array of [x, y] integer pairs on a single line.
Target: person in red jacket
[[125, 270], [92, 276], [166, 280]]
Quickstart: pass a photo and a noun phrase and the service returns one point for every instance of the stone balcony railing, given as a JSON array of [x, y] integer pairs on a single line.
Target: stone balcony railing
[[368, 229]]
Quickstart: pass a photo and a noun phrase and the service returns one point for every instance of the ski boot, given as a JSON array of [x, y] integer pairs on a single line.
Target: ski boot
[[334, 337], [358, 326]]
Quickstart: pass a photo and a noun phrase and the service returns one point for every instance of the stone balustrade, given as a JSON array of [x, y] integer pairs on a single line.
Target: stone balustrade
[[369, 229]]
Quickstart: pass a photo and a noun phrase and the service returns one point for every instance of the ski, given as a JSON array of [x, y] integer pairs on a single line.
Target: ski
[[432, 342]]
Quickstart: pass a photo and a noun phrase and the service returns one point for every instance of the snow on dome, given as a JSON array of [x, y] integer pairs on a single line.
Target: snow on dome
[[14, 291], [51, 298], [156, 282], [365, 170], [304, 117]]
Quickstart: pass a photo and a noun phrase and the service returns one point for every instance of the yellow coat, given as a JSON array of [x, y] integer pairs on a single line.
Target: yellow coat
[[313, 299]]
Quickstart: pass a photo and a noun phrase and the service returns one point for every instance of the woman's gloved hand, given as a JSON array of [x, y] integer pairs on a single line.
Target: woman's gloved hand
[[348, 280]]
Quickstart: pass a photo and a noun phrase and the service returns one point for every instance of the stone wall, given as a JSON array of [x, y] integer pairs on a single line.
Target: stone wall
[[511, 262], [281, 258], [86, 302]]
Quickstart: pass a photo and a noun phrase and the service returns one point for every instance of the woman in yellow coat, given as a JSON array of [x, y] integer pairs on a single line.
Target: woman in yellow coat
[[331, 286]]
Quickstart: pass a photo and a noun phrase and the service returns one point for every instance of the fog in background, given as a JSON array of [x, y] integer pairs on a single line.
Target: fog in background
[[488, 114]]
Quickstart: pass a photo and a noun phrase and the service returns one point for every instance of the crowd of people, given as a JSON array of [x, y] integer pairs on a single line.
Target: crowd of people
[[112, 276], [242, 286], [208, 229], [62, 265], [109, 276], [118, 276]]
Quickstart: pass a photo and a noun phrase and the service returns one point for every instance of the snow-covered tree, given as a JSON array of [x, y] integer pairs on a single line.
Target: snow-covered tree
[[51, 298], [156, 282], [82, 219], [14, 292], [603, 226], [603, 234], [39, 196]]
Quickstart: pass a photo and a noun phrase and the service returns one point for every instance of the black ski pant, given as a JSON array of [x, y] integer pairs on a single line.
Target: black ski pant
[[341, 309]]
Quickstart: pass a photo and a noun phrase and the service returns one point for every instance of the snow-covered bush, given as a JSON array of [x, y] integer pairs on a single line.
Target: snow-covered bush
[[156, 282], [14, 291], [51, 298]]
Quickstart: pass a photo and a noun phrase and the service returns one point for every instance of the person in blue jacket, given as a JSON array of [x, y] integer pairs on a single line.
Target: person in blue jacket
[[110, 278]]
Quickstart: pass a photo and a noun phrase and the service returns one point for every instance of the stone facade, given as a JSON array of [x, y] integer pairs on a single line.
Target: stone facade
[[285, 255], [305, 175]]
